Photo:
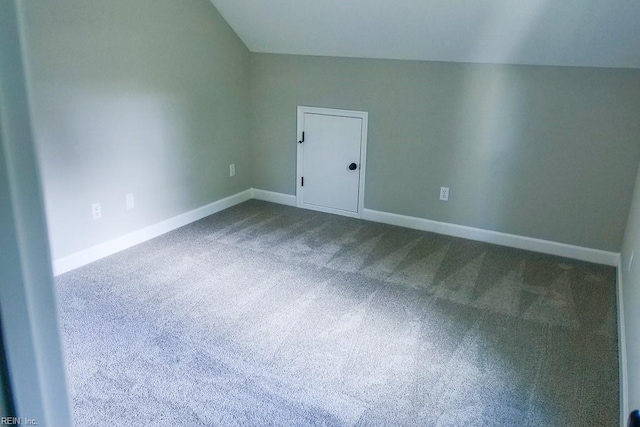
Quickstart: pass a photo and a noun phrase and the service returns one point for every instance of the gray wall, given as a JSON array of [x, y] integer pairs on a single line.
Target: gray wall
[[631, 296], [27, 301], [153, 97], [146, 96], [545, 152]]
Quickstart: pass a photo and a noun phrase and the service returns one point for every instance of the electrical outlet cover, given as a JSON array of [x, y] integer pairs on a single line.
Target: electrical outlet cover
[[444, 193], [96, 211], [130, 201]]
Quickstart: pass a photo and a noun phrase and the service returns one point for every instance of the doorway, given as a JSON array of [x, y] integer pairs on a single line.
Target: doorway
[[331, 160]]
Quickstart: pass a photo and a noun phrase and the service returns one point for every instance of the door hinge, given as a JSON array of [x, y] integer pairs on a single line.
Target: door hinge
[[302, 181], [302, 140]]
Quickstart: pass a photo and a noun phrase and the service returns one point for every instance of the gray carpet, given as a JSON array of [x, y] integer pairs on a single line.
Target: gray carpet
[[270, 315]]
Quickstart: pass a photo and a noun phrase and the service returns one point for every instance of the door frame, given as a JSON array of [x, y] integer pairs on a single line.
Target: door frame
[[364, 116]]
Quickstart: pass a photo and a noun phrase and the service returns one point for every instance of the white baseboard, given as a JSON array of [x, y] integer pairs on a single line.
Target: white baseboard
[[622, 351], [94, 253], [528, 243], [270, 196], [78, 259]]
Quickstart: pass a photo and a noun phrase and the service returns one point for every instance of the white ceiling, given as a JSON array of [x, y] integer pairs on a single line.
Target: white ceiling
[[598, 33]]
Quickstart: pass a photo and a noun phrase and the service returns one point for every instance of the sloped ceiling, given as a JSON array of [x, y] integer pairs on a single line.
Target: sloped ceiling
[[595, 33]]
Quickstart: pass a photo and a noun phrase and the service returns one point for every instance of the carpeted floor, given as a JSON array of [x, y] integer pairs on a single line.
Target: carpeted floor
[[270, 315]]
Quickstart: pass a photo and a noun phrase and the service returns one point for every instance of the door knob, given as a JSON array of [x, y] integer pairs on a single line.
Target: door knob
[[353, 166]]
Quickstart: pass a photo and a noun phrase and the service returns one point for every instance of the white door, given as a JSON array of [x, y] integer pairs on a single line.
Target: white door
[[331, 152]]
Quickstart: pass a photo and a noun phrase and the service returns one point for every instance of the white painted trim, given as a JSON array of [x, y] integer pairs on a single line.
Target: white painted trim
[[622, 350], [488, 236], [35, 361], [528, 243], [78, 259], [270, 196], [364, 116]]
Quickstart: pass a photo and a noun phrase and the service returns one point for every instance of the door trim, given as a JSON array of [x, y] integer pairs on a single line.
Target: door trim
[[364, 116]]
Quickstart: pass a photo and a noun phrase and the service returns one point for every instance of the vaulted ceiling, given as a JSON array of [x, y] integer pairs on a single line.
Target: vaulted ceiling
[[597, 33]]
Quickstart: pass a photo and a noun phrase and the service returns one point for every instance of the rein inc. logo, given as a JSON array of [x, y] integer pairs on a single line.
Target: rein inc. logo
[[18, 421]]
